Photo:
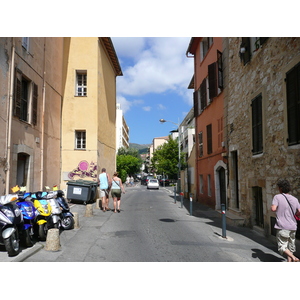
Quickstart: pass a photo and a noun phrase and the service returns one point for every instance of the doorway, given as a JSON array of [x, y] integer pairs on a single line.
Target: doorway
[[22, 169]]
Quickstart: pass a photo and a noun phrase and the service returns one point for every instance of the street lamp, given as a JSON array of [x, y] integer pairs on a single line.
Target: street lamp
[[177, 124]]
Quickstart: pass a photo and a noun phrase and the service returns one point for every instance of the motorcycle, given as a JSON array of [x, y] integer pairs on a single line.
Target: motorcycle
[[55, 220], [29, 213], [11, 224], [43, 207], [67, 221]]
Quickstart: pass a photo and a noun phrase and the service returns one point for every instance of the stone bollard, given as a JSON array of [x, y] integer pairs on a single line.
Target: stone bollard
[[76, 220], [97, 206], [89, 210], [52, 241]]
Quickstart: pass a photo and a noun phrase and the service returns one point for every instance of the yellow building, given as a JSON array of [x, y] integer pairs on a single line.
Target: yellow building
[[89, 108]]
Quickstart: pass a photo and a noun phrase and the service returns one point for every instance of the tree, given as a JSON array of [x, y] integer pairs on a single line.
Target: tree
[[165, 159], [128, 165]]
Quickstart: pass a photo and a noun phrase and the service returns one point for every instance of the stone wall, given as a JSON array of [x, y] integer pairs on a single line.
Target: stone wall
[[265, 74]]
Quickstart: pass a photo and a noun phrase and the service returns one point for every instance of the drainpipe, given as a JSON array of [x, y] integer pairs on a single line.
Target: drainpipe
[[43, 120], [9, 116]]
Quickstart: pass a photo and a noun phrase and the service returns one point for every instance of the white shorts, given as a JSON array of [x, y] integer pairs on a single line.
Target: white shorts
[[104, 193], [286, 240]]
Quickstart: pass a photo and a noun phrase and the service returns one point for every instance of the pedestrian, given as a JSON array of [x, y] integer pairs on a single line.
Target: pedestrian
[[116, 191], [105, 183], [286, 206], [131, 180], [127, 180]]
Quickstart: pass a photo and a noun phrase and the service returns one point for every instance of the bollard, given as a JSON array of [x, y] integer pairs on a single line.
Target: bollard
[[76, 220], [174, 193], [223, 210], [97, 206], [52, 241], [191, 204], [89, 210], [181, 199]]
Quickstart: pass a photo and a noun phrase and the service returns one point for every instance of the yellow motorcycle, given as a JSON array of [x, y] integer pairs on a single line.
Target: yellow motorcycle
[[44, 213]]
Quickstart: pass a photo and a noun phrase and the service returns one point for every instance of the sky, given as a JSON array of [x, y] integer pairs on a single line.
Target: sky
[[154, 85]]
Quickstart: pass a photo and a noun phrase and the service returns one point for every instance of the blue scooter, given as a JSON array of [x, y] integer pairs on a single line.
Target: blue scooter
[[29, 213]]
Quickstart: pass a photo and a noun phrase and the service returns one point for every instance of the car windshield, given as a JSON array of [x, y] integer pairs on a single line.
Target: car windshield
[[153, 180]]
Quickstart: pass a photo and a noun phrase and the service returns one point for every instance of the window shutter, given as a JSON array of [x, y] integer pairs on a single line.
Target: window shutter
[[17, 93], [203, 94], [257, 133], [220, 69], [293, 105], [212, 80], [247, 55], [34, 104], [209, 138], [196, 106]]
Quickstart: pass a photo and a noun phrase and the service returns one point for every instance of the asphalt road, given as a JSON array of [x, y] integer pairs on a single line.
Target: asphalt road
[[152, 228]]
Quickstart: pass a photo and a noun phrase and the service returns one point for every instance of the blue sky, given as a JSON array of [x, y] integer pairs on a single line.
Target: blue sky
[[154, 85]]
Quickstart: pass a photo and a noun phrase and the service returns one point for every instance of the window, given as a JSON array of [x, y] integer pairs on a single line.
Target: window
[[200, 137], [81, 83], [209, 185], [293, 104], [249, 46], [80, 139], [25, 97], [201, 184], [257, 129], [209, 138], [220, 132], [25, 43], [204, 46]]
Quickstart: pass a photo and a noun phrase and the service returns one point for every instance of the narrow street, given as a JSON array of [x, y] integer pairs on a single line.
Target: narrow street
[[152, 228]]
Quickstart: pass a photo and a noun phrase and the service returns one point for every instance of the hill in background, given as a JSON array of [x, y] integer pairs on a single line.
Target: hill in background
[[141, 148]]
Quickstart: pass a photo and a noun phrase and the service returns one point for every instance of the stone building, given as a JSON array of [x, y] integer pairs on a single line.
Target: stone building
[[31, 98], [262, 123]]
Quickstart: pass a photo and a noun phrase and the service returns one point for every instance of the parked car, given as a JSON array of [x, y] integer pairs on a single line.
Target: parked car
[[153, 184], [145, 179], [164, 182]]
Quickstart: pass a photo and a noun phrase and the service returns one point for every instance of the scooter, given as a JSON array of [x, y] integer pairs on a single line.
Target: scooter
[[44, 209], [55, 220], [29, 213], [67, 221], [11, 224]]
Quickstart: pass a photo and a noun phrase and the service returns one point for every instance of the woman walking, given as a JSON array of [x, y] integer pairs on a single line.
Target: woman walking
[[116, 191]]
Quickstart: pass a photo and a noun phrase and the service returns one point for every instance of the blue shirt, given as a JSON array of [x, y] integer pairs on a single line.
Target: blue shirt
[[103, 181]]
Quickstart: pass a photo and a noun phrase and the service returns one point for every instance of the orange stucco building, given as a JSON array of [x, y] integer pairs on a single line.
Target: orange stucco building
[[211, 163]]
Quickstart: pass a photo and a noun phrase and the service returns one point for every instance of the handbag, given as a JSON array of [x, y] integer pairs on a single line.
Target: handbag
[[296, 217]]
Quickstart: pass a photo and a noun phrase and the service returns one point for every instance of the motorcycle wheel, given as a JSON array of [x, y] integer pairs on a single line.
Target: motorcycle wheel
[[42, 232], [67, 223], [12, 244], [27, 238]]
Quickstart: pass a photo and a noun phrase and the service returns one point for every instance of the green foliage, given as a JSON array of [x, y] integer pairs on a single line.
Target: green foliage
[[165, 159], [128, 164]]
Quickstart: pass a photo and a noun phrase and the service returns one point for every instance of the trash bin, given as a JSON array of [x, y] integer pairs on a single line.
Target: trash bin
[[82, 190]]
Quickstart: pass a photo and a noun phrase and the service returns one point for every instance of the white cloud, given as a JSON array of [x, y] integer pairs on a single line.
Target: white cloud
[[160, 65], [147, 108], [126, 105], [161, 107]]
